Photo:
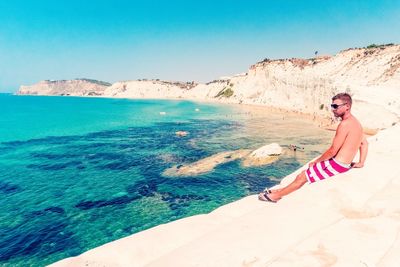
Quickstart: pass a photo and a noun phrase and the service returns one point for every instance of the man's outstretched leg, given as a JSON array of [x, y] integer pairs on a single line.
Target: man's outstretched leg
[[276, 195]]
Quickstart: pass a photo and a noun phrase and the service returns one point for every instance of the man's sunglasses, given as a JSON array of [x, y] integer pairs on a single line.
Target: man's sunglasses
[[335, 106]]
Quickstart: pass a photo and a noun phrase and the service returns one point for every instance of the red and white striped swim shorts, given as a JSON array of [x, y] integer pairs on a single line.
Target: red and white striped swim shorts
[[325, 169]]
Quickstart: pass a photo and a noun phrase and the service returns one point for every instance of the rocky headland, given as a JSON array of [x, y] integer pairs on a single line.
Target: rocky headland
[[77, 87]]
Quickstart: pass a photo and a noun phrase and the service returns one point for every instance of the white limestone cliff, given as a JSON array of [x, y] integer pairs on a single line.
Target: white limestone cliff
[[370, 75]]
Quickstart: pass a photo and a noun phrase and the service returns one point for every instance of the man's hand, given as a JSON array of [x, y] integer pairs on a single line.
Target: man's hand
[[357, 165]]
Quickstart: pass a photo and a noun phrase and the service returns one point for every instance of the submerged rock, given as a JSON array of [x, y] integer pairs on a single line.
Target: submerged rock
[[206, 164], [261, 156], [9, 188], [181, 133]]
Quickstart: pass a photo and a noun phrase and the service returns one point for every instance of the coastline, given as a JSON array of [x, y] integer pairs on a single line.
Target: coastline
[[323, 121], [327, 122], [312, 227], [349, 220]]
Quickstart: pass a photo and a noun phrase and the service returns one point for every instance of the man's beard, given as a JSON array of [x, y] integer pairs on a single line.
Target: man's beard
[[338, 115]]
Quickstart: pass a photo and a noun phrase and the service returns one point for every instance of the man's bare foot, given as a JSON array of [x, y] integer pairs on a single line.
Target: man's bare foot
[[269, 197]]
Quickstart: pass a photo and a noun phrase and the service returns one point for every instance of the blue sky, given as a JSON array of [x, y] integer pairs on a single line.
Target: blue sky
[[177, 40]]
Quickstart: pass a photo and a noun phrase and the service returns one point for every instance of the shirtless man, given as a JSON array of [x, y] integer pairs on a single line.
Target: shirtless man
[[349, 138]]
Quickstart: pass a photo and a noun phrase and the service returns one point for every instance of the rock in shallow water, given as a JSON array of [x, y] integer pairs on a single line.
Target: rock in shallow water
[[206, 164], [262, 156], [273, 149]]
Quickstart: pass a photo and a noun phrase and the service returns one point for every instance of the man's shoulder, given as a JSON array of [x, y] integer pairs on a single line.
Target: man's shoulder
[[350, 124], [345, 123]]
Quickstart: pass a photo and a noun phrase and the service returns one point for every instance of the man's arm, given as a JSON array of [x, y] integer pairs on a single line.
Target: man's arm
[[363, 153], [338, 140]]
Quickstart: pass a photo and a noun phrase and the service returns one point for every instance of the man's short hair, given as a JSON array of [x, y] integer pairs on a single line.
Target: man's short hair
[[345, 97]]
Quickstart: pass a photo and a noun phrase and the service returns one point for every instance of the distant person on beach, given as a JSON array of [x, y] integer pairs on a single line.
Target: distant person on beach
[[294, 147], [349, 138]]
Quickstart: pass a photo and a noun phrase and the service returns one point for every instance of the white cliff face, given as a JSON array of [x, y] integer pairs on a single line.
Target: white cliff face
[[307, 85], [371, 76], [163, 89], [78, 87], [148, 89]]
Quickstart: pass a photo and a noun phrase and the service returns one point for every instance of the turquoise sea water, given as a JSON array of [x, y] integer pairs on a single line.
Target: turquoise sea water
[[76, 173]]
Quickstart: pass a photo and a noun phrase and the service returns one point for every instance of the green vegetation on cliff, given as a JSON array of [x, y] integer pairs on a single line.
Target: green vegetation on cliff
[[378, 46], [94, 81], [226, 92]]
